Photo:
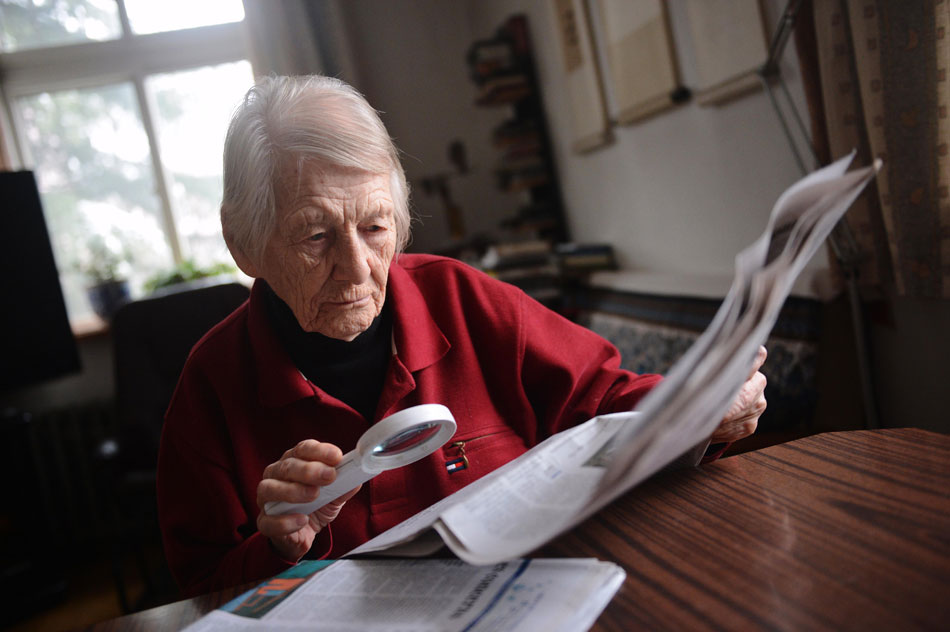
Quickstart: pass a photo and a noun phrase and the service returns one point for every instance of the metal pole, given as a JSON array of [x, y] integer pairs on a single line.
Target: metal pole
[[848, 254]]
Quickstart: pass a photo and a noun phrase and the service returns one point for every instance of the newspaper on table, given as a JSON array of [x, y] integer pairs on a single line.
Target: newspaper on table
[[521, 506], [438, 595]]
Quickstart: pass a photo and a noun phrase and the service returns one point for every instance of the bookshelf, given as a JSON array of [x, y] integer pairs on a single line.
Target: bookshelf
[[532, 248], [502, 68], [503, 71]]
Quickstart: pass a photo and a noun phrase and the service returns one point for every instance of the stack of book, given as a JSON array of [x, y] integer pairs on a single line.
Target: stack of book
[[495, 67], [522, 165], [583, 258], [530, 265], [537, 219]]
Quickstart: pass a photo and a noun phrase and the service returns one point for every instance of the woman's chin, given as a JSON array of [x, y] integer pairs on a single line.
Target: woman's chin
[[347, 329]]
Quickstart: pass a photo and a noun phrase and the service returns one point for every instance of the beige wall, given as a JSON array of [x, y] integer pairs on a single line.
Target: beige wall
[[680, 193], [409, 58]]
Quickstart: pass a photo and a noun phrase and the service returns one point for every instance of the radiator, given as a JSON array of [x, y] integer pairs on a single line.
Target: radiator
[[52, 471]]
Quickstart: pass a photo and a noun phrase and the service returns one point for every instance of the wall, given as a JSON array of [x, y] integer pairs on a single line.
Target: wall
[[680, 193], [409, 59]]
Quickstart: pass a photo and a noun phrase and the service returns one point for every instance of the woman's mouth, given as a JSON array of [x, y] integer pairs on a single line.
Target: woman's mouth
[[357, 302]]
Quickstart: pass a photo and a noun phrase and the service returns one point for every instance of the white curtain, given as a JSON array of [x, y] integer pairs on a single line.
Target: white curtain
[[282, 38], [6, 132]]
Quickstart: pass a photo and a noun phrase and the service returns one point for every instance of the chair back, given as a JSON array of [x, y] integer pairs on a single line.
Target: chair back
[[152, 339]]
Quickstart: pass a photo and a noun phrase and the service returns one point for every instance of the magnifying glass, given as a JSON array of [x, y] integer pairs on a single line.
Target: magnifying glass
[[400, 439]]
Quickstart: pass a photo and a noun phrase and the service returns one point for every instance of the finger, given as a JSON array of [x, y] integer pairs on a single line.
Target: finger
[[751, 390], [280, 526], [755, 385], [275, 490], [324, 515], [754, 412], [743, 418], [753, 404], [759, 360], [292, 480], [339, 502], [301, 471], [313, 450], [735, 432]]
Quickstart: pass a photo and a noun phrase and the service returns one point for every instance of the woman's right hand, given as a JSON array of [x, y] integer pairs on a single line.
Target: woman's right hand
[[297, 478]]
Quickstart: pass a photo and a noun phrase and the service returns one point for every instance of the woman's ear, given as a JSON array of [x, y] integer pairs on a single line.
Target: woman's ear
[[243, 261]]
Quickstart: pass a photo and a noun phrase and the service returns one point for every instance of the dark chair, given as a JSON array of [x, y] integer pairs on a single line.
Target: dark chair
[[151, 340]]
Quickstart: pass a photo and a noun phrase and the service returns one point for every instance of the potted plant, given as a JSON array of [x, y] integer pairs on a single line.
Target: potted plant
[[104, 263], [185, 274]]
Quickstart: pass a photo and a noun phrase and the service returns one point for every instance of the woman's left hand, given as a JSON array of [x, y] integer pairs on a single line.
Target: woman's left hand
[[743, 416]]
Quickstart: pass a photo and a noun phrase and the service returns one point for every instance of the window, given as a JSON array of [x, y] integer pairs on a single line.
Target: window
[[120, 107]]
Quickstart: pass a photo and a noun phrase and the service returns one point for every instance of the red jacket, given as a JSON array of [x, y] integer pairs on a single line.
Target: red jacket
[[511, 371]]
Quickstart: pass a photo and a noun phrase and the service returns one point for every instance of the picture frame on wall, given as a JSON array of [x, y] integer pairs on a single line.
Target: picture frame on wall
[[590, 126], [636, 49], [729, 43]]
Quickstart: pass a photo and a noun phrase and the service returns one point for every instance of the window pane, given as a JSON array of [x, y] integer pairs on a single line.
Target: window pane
[[152, 16], [94, 170], [39, 23], [192, 110]]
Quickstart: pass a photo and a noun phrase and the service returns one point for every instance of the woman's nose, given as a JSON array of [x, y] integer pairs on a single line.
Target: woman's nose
[[352, 260]]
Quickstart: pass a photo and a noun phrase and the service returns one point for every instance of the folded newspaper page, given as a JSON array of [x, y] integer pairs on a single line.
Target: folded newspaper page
[[563, 480], [564, 595]]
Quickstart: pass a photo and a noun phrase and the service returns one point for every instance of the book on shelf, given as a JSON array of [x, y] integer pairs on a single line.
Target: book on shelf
[[503, 93], [516, 132], [516, 254], [585, 257]]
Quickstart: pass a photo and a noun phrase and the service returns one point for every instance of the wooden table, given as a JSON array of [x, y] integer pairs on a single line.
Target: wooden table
[[838, 531]]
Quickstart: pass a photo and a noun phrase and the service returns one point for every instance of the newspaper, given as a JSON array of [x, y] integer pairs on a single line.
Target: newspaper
[[563, 480], [438, 595]]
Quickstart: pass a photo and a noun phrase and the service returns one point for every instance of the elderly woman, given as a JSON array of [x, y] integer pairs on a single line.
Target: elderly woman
[[342, 330]]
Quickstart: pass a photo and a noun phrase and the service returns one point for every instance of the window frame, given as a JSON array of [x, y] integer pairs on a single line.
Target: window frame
[[130, 58]]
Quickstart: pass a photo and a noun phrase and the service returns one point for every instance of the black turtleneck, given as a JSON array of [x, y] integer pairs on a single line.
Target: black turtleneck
[[353, 372]]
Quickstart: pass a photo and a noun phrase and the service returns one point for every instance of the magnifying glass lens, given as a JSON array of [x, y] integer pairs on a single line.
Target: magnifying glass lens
[[406, 440]]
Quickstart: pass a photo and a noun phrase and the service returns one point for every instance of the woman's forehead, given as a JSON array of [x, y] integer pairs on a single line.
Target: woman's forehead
[[315, 181]]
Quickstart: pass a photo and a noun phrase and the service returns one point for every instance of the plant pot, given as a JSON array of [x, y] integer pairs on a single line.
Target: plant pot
[[107, 297]]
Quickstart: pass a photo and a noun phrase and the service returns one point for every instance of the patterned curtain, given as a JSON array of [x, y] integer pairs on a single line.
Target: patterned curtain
[[281, 38], [884, 89]]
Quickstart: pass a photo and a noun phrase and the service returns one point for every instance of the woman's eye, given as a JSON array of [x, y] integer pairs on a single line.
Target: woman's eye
[[374, 228], [317, 237]]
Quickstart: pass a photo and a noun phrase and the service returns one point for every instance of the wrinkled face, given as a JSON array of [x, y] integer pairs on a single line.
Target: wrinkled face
[[329, 256]]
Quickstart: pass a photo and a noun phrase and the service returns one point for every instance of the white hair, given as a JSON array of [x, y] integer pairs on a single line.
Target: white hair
[[300, 118]]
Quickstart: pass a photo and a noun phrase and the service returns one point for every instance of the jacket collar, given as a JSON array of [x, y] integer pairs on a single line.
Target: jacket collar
[[418, 342], [279, 381]]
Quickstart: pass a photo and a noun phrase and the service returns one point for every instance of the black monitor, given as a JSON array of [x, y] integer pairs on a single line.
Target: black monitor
[[36, 341]]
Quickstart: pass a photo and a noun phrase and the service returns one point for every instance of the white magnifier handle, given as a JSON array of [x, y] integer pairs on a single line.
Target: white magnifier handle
[[397, 440]]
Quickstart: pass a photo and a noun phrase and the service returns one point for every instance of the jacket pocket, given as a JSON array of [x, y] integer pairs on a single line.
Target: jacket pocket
[[470, 457]]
